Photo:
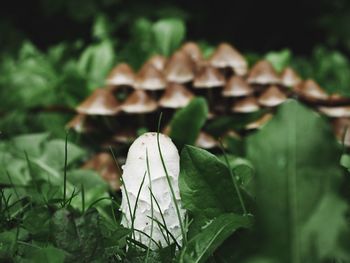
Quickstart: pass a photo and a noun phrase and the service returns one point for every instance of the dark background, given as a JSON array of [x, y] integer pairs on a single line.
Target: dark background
[[251, 25]]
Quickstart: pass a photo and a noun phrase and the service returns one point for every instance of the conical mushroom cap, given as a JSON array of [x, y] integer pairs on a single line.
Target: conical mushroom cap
[[309, 89], [227, 56], [122, 74], [341, 127], [237, 87], [100, 102], [175, 96], [205, 141], [157, 61], [257, 124], [139, 102], [193, 50], [179, 68], [289, 77], [104, 164], [208, 77], [336, 111], [80, 124], [263, 73], [246, 105], [150, 78], [272, 97]]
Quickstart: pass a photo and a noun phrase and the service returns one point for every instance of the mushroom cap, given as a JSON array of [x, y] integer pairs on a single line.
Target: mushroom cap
[[310, 90], [179, 68], [124, 136], [289, 77], [80, 124], [237, 86], [175, 96], [100, 102], [158, 61], [263, 73], [341, 128], [259, 123], [336, 111], [192, 49], [206, 141], [150, 78], [104, 164], [272, 97], [139, 102], [122, 74], [227, 56], [246, 105], [208, 77]]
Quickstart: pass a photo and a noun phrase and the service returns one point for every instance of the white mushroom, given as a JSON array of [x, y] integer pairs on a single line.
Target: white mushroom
[[135, 171]]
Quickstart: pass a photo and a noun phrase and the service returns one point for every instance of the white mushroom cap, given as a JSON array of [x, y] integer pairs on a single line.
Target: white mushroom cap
[[134, 171]]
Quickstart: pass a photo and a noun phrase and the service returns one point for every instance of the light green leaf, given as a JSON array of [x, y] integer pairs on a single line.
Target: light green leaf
[[201, 247], [168, 35], [48, 254], [296, 158], [187, 122], [279, 59]]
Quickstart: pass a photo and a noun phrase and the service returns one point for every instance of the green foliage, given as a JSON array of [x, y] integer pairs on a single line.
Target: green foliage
[[187, 122], [202, 246], [297, 175], [279, 59], [168, 35]]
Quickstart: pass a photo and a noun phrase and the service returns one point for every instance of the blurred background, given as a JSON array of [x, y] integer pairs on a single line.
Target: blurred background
[[56, 52]]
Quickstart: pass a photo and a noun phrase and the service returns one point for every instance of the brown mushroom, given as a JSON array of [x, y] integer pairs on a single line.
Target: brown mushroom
[[208, 77], [175, 96], [104, 164], [226, 56], [179, 68], [139, 102], [100, 102], [236, 86], [150, 78], [206, 141], [289, 78], [259, 123], [272, 97], [121, 75], [193, 50], [157, 61], [341, 128], [336, 111], [246, 105], [310, 91], [80, 124], [263, 73]]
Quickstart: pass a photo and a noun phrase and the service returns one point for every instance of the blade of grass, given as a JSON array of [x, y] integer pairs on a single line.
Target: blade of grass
[[82, 198], [184, 238], [65, 169], [234, 180], [150, 189], [12, 185]]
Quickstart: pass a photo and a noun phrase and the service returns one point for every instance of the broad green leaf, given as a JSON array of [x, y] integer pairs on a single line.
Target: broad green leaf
[[95, 62], [168, 34], [7, 245], [206, 187], [299, 213], [32, 144], [187, 122], [279, 59], [201, 247]]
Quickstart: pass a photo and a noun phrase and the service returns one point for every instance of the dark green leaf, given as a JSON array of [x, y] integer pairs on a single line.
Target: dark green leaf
[[199, 248], [187, 122], [296, 158]]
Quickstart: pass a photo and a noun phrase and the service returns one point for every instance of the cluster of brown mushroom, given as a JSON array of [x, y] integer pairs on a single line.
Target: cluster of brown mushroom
[[131, 100]]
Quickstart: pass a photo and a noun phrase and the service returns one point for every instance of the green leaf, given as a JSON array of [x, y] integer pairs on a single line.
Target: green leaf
[[279, 59], [48, 254], [187, 122], [202, 246], [299, 212], [95, 62], [168, 35], [32, 144], [206, 187]]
